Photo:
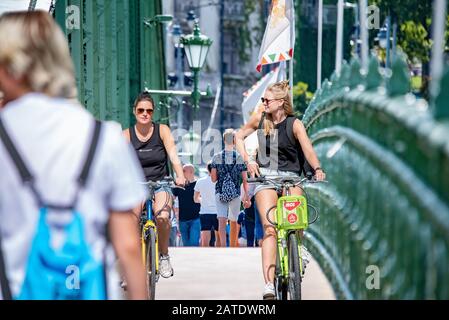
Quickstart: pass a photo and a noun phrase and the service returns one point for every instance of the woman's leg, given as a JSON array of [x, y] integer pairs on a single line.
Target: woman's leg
[[162, 219], [222, 215], [265, 199], [234, 234], [205, 238], [222, 231], [234, 211]]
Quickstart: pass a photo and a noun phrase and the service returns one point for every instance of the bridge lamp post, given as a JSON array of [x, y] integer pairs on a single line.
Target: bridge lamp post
[[196, 47]]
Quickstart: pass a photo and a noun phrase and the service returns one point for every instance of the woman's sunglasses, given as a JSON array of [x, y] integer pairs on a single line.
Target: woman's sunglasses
[[142, 110], [267, 101]]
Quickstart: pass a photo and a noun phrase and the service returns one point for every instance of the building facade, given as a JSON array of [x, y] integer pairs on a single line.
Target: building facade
[[239, 36]]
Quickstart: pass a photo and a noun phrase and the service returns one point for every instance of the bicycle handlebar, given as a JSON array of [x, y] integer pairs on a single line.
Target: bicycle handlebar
[[281, 180], [165, 182]]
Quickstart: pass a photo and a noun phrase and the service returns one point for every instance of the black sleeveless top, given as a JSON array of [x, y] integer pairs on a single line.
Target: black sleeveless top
[[151, 153], [277, 152]]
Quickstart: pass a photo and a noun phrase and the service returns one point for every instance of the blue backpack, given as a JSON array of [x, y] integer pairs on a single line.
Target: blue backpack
[[69, 272]]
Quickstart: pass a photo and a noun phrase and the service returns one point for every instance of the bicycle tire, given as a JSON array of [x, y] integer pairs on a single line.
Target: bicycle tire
[[150, 263], [294, 270]]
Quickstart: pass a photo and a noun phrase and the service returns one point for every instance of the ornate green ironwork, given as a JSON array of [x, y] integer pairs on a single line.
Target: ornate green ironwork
[[355, 76], [386, 206], [373, 78]]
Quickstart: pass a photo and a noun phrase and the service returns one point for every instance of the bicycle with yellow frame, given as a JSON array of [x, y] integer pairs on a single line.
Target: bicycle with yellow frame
[[149, 237]]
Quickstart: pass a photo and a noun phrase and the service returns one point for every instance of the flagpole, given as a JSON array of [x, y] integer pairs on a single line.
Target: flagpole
[[320, 44], [339, 46], [437, 61], [292, 42]]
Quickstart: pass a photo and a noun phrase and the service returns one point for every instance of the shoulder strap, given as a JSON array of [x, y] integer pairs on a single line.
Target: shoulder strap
[[25, 174], [82, 179], [27, 177], [4, 283]]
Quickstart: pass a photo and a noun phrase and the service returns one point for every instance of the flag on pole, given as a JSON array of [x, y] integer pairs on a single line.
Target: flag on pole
[[252, 97], [279, 38]]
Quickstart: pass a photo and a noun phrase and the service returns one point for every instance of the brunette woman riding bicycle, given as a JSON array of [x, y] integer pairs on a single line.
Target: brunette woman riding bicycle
[[154, 144], [278, 154]]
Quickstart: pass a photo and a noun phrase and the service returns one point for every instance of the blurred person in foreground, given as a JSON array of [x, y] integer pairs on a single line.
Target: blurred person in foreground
[[82, 180]]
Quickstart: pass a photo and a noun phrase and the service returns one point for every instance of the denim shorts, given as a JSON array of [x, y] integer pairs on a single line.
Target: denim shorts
[[270, 172], [164, 189]]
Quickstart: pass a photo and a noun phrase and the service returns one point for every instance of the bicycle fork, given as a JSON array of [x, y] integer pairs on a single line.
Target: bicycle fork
[[145, 231], [282, 270]]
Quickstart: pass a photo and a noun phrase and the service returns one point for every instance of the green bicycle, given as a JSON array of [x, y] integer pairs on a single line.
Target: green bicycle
[[291, 219]]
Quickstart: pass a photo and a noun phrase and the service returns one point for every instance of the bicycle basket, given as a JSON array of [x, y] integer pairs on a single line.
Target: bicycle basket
[[292, 212]]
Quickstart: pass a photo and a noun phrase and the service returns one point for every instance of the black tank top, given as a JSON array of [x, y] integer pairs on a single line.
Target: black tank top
[[290, 157], [151, 153]]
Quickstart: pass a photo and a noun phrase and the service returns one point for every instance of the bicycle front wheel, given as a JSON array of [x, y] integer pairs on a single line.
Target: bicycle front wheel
[[150, 263], [294, 270]]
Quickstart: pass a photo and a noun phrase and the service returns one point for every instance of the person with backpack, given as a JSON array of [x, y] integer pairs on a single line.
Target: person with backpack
[[228, 168], [68, 182], [283, 150]]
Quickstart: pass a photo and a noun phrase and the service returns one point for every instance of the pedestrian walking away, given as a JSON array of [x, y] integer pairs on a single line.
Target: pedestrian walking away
[[64, 176], [228, 169], [205, 195]]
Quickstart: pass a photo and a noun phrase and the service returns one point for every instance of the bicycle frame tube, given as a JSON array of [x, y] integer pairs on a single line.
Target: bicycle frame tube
[[282, 243]]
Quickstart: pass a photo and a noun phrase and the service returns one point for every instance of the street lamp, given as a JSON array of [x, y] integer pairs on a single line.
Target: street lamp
[[196, 46], [191, 18]]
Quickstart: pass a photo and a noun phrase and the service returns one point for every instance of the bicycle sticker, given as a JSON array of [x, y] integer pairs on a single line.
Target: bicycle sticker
[[292, 218], [291, 205]]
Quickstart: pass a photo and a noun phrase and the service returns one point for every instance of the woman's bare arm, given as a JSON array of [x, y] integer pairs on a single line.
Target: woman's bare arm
[[123, 227], [169, 144]]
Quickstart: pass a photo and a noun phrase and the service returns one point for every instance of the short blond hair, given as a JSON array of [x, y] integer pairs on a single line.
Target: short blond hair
[[35, 49], [228, 136]]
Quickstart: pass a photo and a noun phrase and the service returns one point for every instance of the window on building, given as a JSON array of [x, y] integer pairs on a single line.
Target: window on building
[[231, 59]]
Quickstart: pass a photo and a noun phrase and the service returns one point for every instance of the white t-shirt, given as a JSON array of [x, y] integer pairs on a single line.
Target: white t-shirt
[[52, 136], [206, 188]]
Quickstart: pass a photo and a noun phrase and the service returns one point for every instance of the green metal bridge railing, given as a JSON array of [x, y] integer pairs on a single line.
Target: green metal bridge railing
[[386, 206]]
